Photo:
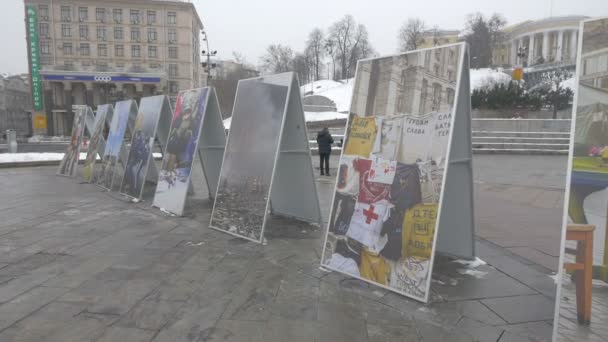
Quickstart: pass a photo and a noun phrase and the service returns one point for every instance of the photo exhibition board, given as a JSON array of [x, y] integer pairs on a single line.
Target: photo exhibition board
[[388, 202], [242, 198], [96, 126], [140, 158], [69, 163], [115, 154], [180, 151], [583, 296], [212, 143]]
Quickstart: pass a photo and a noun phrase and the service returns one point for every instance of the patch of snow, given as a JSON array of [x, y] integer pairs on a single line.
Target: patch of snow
[[486, 78], [324, 116], [474, 273], [46, 156], [471, 263], [339, 92], [569, 83]]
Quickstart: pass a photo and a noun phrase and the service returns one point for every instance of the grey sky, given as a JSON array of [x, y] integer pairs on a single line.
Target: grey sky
[[250, 26]]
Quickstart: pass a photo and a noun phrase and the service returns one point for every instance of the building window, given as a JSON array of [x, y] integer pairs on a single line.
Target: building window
[[102, 50], [135, 34], [172, 36], [119, 51], [43, 12], [85, 49], [135, 51], [152, 36], [83, 13], [172, 17], [118, 34], [100, 14], [66, 30], [83, 31], [44, 30], [173, 88], [172, 52], [172, 70], [135, 17], [66, 13], [151, 17], [117, 14], [45, 48], [152, 51], [450, 92], [101, 33], [67, 48]]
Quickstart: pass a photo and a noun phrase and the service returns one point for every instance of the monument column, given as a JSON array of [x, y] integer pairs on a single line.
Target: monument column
[[560, 46], [531, 50], [546, 46], [573, 45]]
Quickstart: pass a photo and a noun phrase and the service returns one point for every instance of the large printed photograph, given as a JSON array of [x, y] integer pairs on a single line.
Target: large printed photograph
[[584, 285], [181, 149], [386, 204], [111, 157], [69, 163], [88, 169], [142, 144], [244, 186]]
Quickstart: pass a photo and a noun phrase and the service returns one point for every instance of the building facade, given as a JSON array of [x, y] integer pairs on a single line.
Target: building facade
[[94, 52], [15, 105], [546, 41], [436, 37]]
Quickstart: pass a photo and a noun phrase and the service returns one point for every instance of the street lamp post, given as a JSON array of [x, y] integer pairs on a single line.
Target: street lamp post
[[208, 53]]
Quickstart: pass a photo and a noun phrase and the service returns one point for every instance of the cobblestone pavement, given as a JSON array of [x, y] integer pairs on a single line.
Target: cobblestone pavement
[[80, 264], [569, 330]]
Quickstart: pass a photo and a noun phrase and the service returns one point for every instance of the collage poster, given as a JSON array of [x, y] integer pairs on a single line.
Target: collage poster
[[181, 150], [142, 144], [116, 136], [69, 163], [88, 169], [386, 205], [244, 187]]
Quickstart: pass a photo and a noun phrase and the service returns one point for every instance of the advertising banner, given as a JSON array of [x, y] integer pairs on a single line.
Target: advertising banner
[[390, 179], [32, 31], [88, 169], [111, 164]]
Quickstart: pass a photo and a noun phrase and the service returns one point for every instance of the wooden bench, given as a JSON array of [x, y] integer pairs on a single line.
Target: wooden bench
[[582, 268]]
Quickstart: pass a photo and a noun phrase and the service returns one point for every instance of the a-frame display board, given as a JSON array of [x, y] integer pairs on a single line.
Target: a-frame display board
[[153, 121], [114, 160], [69, 163], [404, 190], [267, 163], [95, 125], [196, 132]]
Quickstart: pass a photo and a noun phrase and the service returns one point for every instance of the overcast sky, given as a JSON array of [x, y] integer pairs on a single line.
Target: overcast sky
[[250, 26]]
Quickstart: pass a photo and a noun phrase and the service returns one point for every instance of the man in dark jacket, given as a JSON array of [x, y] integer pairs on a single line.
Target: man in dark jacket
[[324, 141]]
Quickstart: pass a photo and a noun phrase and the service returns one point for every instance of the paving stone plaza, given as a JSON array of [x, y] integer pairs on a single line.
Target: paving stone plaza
[[80, 264]]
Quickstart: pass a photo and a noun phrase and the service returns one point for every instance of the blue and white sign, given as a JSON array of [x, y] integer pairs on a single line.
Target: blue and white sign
[[101, 78]]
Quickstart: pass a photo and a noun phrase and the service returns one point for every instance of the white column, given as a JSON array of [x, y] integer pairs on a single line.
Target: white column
[[531, 50], [514, 52], [546, 46], [560, 46], [573, 44]]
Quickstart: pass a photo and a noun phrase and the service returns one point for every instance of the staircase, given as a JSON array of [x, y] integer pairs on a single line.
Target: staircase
[[521, 142]]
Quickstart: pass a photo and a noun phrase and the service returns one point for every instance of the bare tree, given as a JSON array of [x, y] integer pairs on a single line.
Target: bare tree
[[315, 50], [436, 35], [483, 34], [239, 57], [351, 44], [411, 34], [278, 58], [330, 48]]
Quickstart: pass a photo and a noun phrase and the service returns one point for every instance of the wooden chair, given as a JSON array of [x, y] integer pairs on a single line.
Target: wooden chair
[[582, 267]]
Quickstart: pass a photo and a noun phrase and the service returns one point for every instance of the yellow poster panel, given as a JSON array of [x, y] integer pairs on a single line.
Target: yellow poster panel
[[39, 121], [374, 267], [361, 137], [419, 230]]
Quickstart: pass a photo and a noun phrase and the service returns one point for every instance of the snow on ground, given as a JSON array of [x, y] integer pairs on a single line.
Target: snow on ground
[[569, 83], [340, 92], [486, 78], [34, 157], [308, 116]]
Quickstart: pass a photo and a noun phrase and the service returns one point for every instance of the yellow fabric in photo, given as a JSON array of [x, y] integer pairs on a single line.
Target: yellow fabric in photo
[[361, 136], [374, 267], [418, 230]]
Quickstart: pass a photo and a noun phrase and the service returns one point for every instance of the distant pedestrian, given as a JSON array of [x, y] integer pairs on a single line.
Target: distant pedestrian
[[324, 141]]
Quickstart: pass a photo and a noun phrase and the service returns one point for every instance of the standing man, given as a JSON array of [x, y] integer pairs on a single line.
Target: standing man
[[324, 141]]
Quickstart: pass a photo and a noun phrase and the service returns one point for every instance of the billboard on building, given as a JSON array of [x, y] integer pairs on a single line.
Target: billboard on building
[[388, 196]]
